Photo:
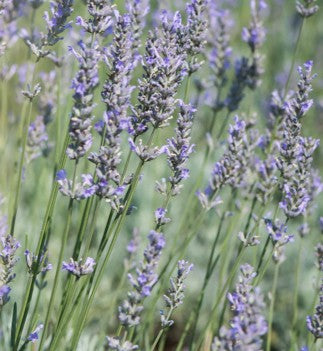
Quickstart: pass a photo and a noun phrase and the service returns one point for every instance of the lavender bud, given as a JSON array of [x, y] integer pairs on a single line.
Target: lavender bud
[[31, 92], [278, 234], [319, 255], [8, 246], [306, 8], [160, 216], [77, 268], [37, 142], [4, 295], [118, 345], [74, 190], [34, 267], [34, 336]]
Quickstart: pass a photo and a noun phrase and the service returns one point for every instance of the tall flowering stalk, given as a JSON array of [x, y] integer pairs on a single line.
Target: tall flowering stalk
[[295, 162], [315, 323], [116, 96], [9, 246], [248, 325], [248, 71]]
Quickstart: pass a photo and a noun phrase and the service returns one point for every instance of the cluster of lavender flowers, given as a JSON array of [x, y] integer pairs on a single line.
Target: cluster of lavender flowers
[[295, 162], [143, 282], [8, 246], [248, 325]]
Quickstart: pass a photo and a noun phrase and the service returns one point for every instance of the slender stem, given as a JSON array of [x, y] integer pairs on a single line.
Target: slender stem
[[294, 56], [20, 169], [58, 267], [295, 296], [271, 308], [23, 312], [220, 296]]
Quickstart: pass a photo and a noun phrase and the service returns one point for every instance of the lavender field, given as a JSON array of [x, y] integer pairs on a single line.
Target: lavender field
[[161, 184]]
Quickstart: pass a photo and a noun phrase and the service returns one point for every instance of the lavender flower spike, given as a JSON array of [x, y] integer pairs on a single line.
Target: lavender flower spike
[[248, 324], [116, 95], [278, 234], [306, 8], [196, 31], [143, 282], [164, 67], [57, 23], [34, 336], [315, 323], [77, 268], [101, 16], [175, 294], [8, 248], [179, 148], [83, 84]]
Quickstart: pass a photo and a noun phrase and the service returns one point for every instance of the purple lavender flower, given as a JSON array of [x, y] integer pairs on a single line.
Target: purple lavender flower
[[101, 17], [315, 323], [33, 266], [146, 277], [137, 9], [116, 95], [160, 216], [219, 55], [84, 83], [254, 35], [278, 234], [196, 32], [175, 294], [248, 324], [8, 246], [78, 268], [57, 20], [306, 8], [34, 336], [248, 71], [79, 190], [179, 148], [120, 345], [232, 168], [4, 295], [56, 24], [319, 255], [133, 244], [37, 143], [267, 179], [295, 161], [10, 11], [164, 69]]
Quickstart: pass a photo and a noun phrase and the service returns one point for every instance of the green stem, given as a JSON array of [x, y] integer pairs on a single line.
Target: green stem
[[58, 270], [294, 56], [271, 308], [20, 169]]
